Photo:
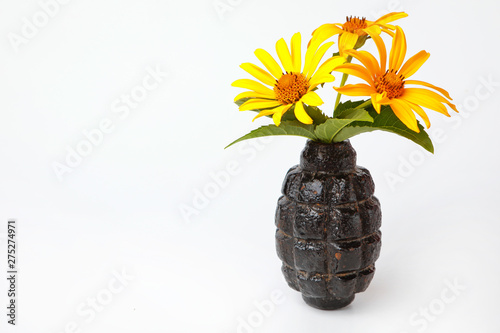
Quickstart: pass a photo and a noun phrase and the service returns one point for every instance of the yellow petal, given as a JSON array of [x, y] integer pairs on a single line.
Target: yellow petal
[[391, 17], [386, 27], [441, 90], [312, 99], [267, 112], [284, 55], [427, 93], [253, 85], [324, 32], [310, 67], [427, 99], [250, 94], [421, 113], [258, 73], [263, 113], [359, 89], [398, 50], [279, 112], [356, 70], [310, 52], [371, 63], [296, 52], [376, 97], [319, 79], [382, 99], [269, 62], [414, 63], [381, 51], [389, 32], [403, 111], [328, 66], [373, 28], [301, 114], [367, 60], [347, 41], [258, 104]]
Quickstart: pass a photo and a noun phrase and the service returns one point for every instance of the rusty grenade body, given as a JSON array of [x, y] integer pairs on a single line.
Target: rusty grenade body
[[328, 222]]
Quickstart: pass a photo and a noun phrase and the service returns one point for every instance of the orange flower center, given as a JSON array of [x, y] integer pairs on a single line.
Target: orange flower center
[[291, 87], [390, 83], [353, 24]]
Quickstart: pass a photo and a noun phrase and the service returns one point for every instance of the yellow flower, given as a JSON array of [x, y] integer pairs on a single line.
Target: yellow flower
[[291, 87], [353, 33], [388, 87]]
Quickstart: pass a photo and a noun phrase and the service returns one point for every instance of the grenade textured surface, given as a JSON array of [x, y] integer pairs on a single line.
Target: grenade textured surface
[[328, 224]]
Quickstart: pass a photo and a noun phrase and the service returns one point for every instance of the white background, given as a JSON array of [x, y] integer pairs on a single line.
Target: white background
[[119, 210]]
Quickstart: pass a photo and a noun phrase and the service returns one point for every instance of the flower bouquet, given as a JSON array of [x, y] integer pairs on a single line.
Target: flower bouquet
[[328, 220], [287, 93]]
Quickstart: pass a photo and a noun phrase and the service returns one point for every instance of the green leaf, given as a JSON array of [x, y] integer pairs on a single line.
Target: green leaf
[[389, 122], [345, 106], [285, 128], [289, 115], [316, 114], [356, 114], [329, 129], [241, 101]]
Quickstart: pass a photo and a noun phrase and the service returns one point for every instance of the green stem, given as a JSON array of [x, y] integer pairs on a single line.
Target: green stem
[[342, 83], [367, 103]]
